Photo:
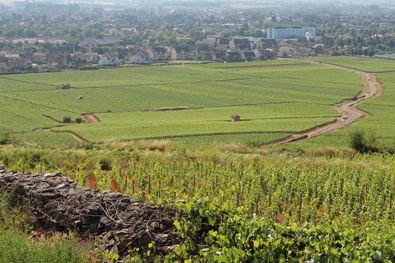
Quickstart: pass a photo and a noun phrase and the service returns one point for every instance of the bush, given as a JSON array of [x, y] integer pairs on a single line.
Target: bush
[[78, 120], [105, 164], [361, 143], [5, 138], [66, 119]]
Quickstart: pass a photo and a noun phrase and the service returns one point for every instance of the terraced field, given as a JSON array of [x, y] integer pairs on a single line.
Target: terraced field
[[274, 99]]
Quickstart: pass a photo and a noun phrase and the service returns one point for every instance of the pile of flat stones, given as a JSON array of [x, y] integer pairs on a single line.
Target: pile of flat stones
[[119, 222]]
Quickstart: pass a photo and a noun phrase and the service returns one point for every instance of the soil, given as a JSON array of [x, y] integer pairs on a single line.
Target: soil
[[90, 118]]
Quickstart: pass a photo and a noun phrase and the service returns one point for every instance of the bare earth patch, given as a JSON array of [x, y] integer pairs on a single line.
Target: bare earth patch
[[90, 118]]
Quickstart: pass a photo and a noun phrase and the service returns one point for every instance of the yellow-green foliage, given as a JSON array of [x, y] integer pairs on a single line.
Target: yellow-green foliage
[[360, 187]]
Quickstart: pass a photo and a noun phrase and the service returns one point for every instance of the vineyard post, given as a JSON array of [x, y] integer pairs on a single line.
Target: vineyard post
[[149, 184], [299, 215]]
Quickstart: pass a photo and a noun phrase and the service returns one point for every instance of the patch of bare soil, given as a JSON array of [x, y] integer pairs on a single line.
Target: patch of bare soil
[[379, 85], [90, 118]]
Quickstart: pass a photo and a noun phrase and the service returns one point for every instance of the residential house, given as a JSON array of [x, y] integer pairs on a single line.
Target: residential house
[[248, 55], [255, 42], [240, 44], [268, 43], [158, 53], [223, 44], [219, 55], [140, 57], [90, 57], [212, 40], [264, 53], [234, 56], [108, 59], [184, 53]]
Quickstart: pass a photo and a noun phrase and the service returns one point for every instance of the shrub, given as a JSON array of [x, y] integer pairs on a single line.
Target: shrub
[[361, 143], [66, 119], [78, 120], [5, 138], [105, 164]]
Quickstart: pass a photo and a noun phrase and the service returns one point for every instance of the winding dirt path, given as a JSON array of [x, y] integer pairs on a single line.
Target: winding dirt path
[[349, 112]]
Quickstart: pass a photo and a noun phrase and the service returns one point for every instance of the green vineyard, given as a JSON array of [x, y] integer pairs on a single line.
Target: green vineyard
[[272, 98]]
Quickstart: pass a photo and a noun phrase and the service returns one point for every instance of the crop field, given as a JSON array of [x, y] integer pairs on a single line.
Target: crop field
[[361, 63], [273, 99], [268, 118], [47, 139]]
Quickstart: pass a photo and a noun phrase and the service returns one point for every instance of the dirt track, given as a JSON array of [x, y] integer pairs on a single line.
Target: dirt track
[[348, 110]]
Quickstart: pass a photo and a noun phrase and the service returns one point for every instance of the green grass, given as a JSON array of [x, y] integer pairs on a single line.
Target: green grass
[[273, 99], [18, 246], [361, 63]]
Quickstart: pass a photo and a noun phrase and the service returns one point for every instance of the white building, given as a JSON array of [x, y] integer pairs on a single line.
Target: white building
[[108, 60]]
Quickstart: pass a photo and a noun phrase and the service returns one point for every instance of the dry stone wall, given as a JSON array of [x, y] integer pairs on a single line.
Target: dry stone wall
[[120, 223]]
